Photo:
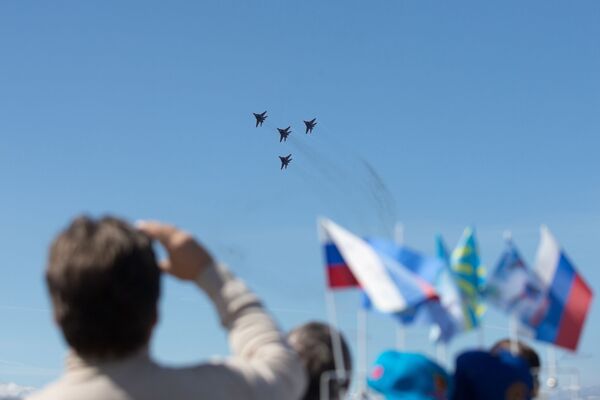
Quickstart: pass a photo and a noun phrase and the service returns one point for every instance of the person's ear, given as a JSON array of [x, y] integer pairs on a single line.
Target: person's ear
[[155, 318]]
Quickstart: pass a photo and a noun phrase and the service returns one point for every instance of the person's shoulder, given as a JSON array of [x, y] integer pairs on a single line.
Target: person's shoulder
[[54, 390], [217, 379]]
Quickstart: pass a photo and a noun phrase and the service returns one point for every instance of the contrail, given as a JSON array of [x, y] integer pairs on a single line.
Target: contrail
[[355, 185], [382, 196]]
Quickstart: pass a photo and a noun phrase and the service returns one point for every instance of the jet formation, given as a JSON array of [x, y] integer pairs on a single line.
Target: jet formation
[[284, 133]]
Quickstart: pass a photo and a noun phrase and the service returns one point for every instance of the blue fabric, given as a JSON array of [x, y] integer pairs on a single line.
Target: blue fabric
[[470, 277], [332, 255], [448, 315], [402, 264], [441, 251], [557, 297], [412, 376], [426, 267], [509, 282], [480, 375]]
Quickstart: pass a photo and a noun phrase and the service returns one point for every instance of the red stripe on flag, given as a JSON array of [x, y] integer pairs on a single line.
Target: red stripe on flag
[[429, 290], [340, 276], [574, 313]]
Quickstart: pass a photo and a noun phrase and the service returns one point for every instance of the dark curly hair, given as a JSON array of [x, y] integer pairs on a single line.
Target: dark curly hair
[[104, 283], [313, 343]]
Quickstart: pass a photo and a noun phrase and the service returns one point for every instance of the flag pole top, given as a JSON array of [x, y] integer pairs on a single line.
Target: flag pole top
[[399, 233], [321, 222]]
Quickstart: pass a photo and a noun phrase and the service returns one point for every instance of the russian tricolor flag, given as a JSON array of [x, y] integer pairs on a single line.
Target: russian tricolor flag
[[339, 275], [562, 315], [354, 262]]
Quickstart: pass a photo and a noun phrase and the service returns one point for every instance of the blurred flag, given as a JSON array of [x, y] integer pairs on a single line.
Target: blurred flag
[[512, 284], [560, 317], [448, 317], [424, 267], [442, 250], [390, 286], [470, 277], [339, 275]]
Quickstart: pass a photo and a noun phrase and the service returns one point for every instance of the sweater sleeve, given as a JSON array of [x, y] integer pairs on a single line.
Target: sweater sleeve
[[261, 355]]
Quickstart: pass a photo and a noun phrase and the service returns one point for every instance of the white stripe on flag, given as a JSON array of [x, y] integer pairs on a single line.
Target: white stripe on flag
[[367, 267], [547, 257]]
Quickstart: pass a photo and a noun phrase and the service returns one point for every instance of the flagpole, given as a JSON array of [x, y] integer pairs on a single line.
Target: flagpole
[[441, 353], [552, 381], [362, 349], [513, 333], [481, 336], [400, 331], [336, 341], [400, 336], [513, 323]]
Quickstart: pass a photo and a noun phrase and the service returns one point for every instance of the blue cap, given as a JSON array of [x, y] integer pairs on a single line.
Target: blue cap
[[408, 376], [482, 375]]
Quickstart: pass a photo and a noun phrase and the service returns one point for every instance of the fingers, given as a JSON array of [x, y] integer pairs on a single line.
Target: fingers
[[159, 231], [168, 235], [187, 257]]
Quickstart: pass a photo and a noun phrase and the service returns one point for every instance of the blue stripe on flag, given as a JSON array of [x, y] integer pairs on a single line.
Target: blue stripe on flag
[[332, 255]]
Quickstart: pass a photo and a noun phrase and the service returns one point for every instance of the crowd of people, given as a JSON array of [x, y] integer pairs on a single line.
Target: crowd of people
[[104, 282]]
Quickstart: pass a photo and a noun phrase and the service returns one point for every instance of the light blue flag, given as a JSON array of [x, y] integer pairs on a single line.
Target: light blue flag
[[424, 266], [444, 314], [470, 277], [448, 318], [512, 286], [410, 267]]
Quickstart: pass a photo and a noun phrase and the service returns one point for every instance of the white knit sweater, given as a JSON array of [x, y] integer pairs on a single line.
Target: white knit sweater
[[262, 365]]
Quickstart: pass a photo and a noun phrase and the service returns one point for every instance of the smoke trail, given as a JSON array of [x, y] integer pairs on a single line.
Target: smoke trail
[[354, 184], [386, 205]]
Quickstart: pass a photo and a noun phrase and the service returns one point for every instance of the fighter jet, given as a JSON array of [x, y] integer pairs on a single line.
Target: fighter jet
[[285, 161], [260, 118], [310, 125], [284, 133]]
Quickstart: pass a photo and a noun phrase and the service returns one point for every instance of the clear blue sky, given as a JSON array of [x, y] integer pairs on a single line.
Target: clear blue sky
[[483, 113]]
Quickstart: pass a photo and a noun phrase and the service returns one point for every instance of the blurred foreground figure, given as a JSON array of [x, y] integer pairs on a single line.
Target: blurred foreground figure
[[104, 283], [313, 343], [520, 349], [398, 375], [482, 375]]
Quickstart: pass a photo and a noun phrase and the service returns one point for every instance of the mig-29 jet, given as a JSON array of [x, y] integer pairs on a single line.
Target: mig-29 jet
[[310, 125], [284, 133], [260, 118], [285, 161]]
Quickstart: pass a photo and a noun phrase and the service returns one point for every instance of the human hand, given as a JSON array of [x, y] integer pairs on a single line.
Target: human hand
[[187, 258]]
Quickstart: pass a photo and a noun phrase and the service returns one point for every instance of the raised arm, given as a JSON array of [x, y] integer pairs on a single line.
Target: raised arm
[[261, 355]]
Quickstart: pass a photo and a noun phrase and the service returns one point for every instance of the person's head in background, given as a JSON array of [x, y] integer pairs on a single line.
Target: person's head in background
[[313, 342], [525, 352], [104, 283], [482, 375]]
